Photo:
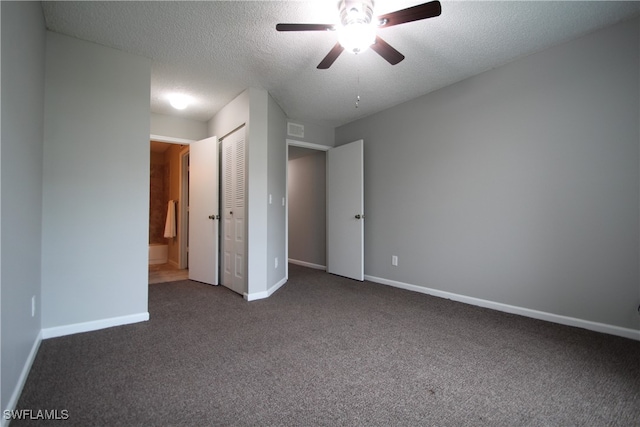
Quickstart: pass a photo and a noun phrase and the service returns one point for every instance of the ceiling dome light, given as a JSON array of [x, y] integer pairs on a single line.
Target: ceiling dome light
[[179, 101], [356, 32]]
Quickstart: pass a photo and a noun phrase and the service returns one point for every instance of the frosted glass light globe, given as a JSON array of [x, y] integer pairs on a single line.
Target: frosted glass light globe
[[179, 102], [357, 37]]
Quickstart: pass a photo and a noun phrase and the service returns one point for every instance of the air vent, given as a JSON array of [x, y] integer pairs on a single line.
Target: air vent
[[294, 129]]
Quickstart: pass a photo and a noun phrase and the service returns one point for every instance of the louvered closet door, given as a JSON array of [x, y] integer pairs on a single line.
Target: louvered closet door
[[234, 242]]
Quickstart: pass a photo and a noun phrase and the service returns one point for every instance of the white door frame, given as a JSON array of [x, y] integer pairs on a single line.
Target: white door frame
[[183, 210], [312, 146]]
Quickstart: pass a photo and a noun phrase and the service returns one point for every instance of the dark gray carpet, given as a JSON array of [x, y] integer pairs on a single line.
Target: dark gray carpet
[[325, 350]]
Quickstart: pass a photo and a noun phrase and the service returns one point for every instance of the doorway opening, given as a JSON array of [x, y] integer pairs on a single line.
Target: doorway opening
[[306, 204], [344, 207], [167, 203]]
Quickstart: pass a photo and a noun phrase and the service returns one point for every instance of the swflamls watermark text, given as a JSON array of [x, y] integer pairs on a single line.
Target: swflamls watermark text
[[36, 414]]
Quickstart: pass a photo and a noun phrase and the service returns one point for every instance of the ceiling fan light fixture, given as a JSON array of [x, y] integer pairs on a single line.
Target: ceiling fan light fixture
[[356, 31], [358, 27], [357, 38]]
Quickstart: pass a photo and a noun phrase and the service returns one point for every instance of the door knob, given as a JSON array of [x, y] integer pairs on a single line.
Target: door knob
[[359, 216], [214, 217]]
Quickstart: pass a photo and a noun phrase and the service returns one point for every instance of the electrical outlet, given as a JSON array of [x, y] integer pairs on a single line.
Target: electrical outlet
[[270, 199], [33, 306], [394, 260], [276, 262], [283, 201]]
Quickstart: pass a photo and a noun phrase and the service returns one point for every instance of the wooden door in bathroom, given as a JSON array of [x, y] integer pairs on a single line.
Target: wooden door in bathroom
[[203, 211]]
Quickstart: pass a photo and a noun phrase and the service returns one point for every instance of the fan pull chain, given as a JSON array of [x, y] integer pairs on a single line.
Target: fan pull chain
[[358, 86]]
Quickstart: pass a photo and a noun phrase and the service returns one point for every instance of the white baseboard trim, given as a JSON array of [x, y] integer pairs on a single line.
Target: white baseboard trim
[[308, 264], [266, 294], [527, 312], [277, 286], [255, 295], [13, 400], [94, 325]]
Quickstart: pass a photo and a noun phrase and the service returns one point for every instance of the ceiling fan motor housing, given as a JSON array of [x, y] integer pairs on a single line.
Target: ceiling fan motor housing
[[355, 11]]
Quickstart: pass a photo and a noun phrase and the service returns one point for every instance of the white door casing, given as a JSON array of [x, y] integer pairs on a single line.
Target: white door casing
[[345, 210], [234, 226], [203, 211], [183, 210]]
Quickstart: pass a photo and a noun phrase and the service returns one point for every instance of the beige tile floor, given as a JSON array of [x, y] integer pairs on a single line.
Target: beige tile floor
[[160, 273]]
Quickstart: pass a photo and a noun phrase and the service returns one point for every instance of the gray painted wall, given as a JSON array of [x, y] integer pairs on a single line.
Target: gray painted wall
[[314, 132], [258, 179], [232, 116], [277, 188], [96, 183], [23, 50], [518, 186], [307, 208], [178, 127]]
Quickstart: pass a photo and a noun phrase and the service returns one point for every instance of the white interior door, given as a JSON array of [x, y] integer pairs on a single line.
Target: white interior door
[[234, 227], [203, 211], [345, 210]]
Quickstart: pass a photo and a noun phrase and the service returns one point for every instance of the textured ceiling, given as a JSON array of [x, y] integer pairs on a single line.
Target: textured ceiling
[[214, 50]]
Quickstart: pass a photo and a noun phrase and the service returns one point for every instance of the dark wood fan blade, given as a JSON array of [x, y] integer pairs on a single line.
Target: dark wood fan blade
[[304, 27], [385, 50], [415, 13], [331, 57]]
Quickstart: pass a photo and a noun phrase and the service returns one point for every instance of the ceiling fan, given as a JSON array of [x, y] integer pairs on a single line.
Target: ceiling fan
[[358, 25]]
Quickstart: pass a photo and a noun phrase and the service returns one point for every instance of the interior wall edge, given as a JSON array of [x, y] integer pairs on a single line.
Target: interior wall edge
[[22, 379]]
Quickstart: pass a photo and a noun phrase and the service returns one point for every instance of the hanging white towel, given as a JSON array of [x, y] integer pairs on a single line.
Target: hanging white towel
[[170, 224]]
